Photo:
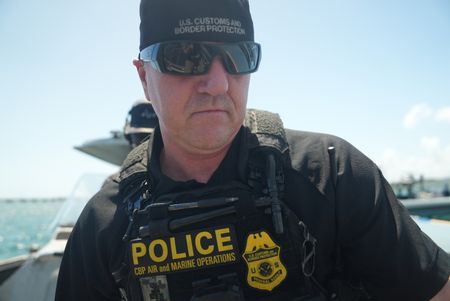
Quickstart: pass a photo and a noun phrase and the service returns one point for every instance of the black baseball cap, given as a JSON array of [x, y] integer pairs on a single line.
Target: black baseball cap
[[141, 118], [226, 21]]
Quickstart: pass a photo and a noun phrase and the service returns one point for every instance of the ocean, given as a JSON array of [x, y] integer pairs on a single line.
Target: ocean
[[25, 224]]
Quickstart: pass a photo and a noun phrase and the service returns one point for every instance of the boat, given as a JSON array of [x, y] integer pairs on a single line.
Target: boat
[[437, 207], [412, 187], [112, 150], [10, 265], [33, 277]]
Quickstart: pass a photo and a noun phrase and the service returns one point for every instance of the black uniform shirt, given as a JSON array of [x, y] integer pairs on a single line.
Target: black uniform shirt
[[379, 243]]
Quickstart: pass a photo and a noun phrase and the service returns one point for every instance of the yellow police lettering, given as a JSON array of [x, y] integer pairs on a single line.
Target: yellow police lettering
[[223, 236], [152, 269], [190, 248], [173, 249], [185, 251], [198, 243], [164, 268], [138, 250], [164, 250], [139, 271], [182, 265]]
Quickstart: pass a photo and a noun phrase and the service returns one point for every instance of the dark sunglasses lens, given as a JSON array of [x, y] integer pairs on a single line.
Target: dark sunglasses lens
[[186, 58], [195, 58], [241, 58]]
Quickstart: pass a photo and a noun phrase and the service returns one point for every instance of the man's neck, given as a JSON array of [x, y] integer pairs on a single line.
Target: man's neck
[[182, 166]]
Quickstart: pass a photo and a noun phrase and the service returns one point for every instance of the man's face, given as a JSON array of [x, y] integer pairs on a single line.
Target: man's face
[[202, 113]]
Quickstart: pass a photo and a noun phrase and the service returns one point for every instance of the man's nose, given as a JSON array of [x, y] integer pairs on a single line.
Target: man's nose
[[215, 82]]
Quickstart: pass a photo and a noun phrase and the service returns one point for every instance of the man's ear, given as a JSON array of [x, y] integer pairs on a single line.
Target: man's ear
[[142, 76]]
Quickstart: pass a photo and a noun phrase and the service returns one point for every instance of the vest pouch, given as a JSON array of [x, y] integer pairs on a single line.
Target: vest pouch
[[213, 233], [225, 289]]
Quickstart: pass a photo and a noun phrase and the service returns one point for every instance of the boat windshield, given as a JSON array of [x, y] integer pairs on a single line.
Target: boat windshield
[[86, 186]]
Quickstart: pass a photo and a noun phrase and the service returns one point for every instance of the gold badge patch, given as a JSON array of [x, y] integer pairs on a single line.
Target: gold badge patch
[[265, 269]]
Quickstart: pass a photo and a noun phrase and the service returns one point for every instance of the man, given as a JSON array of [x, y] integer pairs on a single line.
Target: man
[[140, 122], [210, 209]]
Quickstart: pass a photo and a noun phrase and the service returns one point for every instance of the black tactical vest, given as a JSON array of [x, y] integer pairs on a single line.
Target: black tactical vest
[[234, 241]]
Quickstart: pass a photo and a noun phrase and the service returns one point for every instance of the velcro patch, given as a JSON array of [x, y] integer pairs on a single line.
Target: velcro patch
[[186, 251]]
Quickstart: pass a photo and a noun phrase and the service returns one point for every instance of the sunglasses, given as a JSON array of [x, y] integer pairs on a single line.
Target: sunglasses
[[195, 58]]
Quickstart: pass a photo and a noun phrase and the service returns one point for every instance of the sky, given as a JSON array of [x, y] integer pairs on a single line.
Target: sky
[[376, 73]]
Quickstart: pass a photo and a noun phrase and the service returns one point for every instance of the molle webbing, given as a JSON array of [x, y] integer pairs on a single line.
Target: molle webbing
[[268, 129], [134, 167], [265, 135]]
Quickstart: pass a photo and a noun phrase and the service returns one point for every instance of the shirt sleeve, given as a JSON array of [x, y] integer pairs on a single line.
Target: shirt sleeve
[[379, 241], [86, 267]]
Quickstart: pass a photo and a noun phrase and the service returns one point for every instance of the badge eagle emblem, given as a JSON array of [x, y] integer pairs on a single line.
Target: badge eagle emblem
[[262, 255]]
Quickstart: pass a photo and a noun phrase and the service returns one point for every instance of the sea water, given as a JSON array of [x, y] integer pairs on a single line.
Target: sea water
[[25, 224]]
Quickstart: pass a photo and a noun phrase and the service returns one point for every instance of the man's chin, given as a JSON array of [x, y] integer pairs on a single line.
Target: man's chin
[[211, 139]]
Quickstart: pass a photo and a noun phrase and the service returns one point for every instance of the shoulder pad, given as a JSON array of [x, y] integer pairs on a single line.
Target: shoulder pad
[[135, 163], [268, 128]]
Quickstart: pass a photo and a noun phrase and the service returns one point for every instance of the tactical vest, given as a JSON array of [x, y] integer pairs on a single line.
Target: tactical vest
[[234, 241]]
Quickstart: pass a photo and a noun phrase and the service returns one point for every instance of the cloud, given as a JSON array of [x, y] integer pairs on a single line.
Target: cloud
[[428, 156], [432, 160], [430, 144], [417, 113], [443, 114]]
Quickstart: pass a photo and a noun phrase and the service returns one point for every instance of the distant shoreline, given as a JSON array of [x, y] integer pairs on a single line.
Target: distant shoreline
[[31, 200]]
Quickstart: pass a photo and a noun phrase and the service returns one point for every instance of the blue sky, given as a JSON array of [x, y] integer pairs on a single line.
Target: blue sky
[[376, 73]]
